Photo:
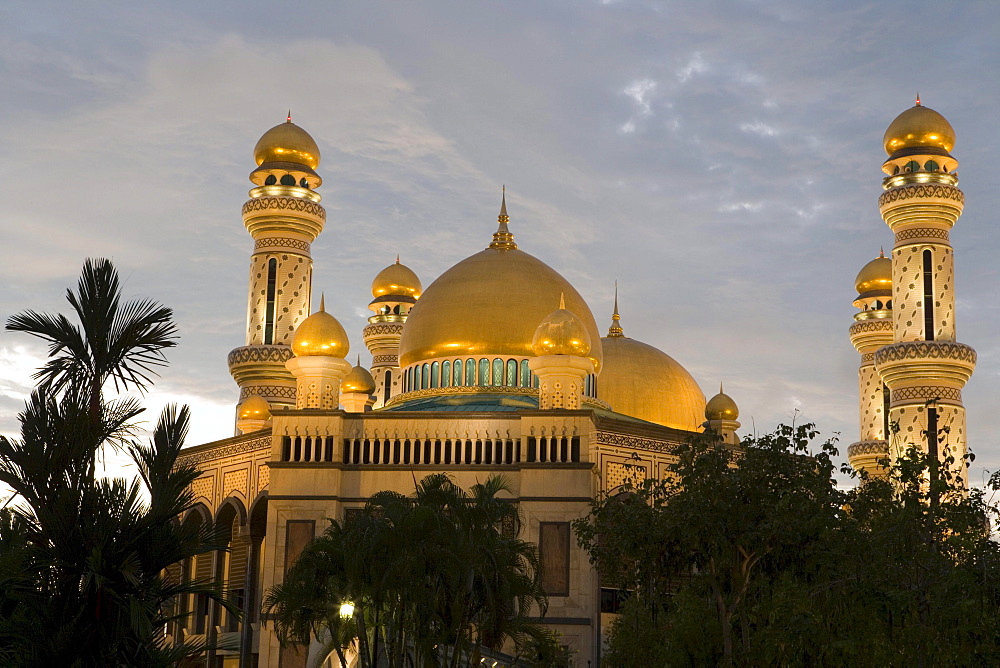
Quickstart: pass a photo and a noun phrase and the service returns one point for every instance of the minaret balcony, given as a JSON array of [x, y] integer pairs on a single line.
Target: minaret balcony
[[281, 214], [868, 335], [925, 363], [260, 364], [929, 204]]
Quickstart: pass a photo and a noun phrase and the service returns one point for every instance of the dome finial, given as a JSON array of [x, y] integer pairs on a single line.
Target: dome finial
[[322, 302], [562, 301], [502, 238], [397, 258], [881, 252], [918, 99], [288, 119], [615, 331]]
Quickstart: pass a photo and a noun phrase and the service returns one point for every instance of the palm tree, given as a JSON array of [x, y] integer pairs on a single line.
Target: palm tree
[[83, 558]]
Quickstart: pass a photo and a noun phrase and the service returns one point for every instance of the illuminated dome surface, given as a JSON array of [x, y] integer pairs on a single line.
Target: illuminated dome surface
[[561, 333], [876, 275], [644, 382], [254, 408], [721, 407], [287, 142], [919, 126], [397, 279], [490, 304], [359, 380], [320, 335]]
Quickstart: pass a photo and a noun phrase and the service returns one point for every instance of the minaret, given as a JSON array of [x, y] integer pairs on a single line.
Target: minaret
[[284, 217], [925, 368], [871, 330], [395, 290]]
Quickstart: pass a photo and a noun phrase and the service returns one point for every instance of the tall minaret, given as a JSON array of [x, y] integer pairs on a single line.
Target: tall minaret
[[871, 330], [395, 290], [925, 368], [284, 217]]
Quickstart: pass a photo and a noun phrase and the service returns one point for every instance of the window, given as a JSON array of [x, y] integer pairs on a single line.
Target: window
[[470, 372], [270, 180], [288, 180], [525, 374], [484, 372], [270, 307], [498, 371], [511, 373], [912, 166], [931, 166], [446, 373], [553, 552], [435, 374], [928, 296], [425, 376], [458, 372]]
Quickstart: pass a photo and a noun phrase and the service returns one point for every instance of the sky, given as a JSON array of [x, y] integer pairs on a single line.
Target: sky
[[719, 159]]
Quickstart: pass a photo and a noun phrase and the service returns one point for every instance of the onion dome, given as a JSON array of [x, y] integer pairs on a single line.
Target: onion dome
[[561, 333], [287, 143], [646, 383], [397, 279], [254, 407], [320, 335], [721, 407], [359, 380], [490, 304], [876, 276], [919, 127]]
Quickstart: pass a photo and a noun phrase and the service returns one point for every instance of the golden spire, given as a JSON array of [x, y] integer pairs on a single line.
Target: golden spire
[[918, 99], [562, 301], [502, 238], [881, 252], [322, 301], [615, 331]]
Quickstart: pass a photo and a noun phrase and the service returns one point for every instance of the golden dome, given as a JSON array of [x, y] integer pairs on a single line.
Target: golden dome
[[254, 407], [644, 382], [397, 279], [489, 304], [320, 335], [721, 407], [359, 380], [561, 333], [287, 142], [919, 126], [875, 276]]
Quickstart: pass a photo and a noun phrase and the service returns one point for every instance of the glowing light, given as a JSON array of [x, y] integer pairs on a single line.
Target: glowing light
[[346, 610]]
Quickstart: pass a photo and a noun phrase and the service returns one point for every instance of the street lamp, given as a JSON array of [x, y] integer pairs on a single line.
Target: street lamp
[[346, 610]]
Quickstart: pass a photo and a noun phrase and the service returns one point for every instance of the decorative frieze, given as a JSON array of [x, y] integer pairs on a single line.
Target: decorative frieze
[[937, 190], [288, 203]]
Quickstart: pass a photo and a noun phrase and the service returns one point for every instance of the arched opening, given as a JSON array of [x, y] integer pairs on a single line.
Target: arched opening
[[470, 372], [257, 525], [446, 373], [271, 304], [511, 380], [484, 372], [525, 374], [928, 296], [458, 372], [270, 180], [435, 374], [288, 180]]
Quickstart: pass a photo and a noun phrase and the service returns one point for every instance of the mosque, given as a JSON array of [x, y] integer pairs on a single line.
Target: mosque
[[499, 366]]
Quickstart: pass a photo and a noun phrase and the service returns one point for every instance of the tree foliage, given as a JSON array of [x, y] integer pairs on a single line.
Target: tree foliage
[[82, 558], [754, 556], [437, 579]]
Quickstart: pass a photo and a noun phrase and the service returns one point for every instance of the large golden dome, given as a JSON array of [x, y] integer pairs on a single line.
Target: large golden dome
[[919, 126], [287, 142], [875, 276], [397, 279], [320, 335], [490, 304], [644, 382]]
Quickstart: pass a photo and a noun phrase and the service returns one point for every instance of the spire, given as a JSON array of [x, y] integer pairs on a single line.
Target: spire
[[502, 238], [615, 331], [397, 258], [562, 301], [881, 253], [288, 119], [720, 388], [918, 99], [322, 302]]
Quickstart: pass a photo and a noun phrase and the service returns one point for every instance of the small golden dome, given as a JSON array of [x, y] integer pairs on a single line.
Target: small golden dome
[[397, 279], [721, 407], [287, 142], [359, 380], [875, 276], [254, 407], [644, 382], [561, 333], [919, 126], [320, 335]]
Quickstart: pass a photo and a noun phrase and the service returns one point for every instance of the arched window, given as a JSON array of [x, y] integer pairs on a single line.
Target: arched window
[[288, 180], [446, 373], [534, 381], [912, 166], [931, 166], [586, 386], [458, 372], [928, 296], [270, 180], [271, 306], [425, 376], [387, 387], [895, 170], [303, 183], [435, 374], [484, 372], [525, 374], [498, 371], [470, 372], [511, 373]]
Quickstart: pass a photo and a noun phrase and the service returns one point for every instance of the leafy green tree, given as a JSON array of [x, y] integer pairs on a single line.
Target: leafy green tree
[[438, 578], [83, 558]]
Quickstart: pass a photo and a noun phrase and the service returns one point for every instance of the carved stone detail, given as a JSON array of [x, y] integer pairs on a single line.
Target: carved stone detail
[[921, 233], [877, 325], [924, 393], [375, 329], [383, 359], [921, 190], [868, 448], [253, 445], [280, 242], [291, 203], [268, 391], [247, 354], [628, 442], [925, 350]]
